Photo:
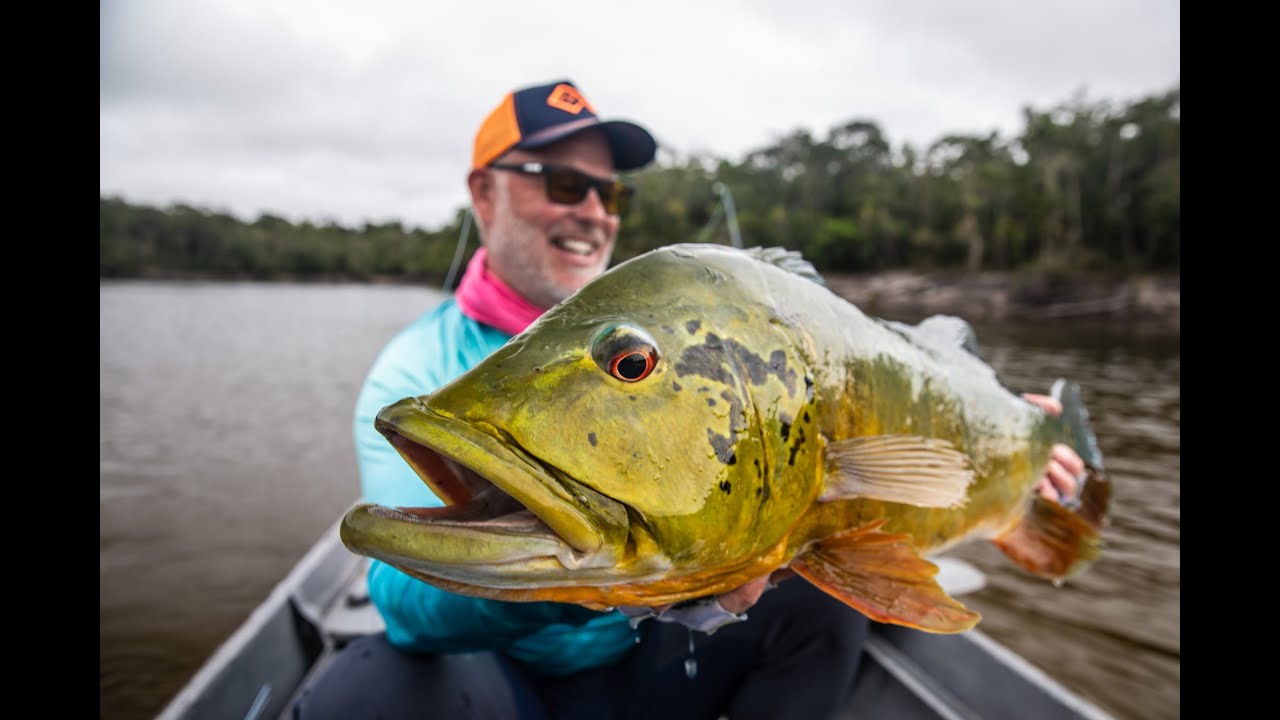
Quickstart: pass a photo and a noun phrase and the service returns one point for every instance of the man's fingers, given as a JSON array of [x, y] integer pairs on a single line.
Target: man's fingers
[[1068, 458], [1047, 491], [1047, 403], [737, 601], [781, 574], [1062, 480], [1065, 465]]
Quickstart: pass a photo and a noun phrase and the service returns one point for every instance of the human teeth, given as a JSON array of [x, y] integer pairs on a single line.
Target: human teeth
[[580, 247]]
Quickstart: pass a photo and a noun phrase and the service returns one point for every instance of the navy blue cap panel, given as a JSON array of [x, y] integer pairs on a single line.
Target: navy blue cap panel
[[554, 111], [633, 147], [535, 112]]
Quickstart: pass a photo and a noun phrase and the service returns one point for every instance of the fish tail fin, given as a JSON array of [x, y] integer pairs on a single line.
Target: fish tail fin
[[1093, 496], [1050, 541], [1057, 540]]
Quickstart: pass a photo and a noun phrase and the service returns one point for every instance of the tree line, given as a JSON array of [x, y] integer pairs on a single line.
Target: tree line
[[1086, 186]]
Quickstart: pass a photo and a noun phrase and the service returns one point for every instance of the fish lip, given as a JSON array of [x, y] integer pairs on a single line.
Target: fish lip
[[458, 542], [499, 459]]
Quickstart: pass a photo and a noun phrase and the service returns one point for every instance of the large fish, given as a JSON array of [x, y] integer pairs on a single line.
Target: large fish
[[699, 416]]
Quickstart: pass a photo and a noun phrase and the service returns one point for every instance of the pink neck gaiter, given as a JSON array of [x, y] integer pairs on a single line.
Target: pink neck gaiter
[[484, 298]]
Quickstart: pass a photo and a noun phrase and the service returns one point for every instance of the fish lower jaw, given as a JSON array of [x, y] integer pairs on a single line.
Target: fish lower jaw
[[532, 574], [521, 558], [573, 560]]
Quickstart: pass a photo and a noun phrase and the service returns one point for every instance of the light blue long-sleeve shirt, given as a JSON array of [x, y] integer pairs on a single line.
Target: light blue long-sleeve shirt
[[551, 638]]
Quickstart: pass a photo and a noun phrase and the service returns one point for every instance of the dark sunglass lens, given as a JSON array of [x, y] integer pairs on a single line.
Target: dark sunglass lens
[[619, 199], [570, 187], [567, 186]]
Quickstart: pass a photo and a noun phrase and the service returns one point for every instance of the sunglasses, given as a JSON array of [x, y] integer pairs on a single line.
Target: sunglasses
[[567, 186]]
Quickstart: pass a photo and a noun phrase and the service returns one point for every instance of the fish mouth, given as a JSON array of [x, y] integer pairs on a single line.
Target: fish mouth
[[509, 516]]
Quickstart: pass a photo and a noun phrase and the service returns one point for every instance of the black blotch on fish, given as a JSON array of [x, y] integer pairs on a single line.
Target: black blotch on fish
[[592, 438], [633, 397], [676, 386], [808, 389], [806, 416], [796, 448], [726, 486], [737, 418], [711, 402], [710, 358], [786, 426], [723, 446], [668, 329], [692, 326], [778, 366], [763, 487]]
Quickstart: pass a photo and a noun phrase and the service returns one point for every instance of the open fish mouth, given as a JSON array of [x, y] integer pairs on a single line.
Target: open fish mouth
[[505, 507]]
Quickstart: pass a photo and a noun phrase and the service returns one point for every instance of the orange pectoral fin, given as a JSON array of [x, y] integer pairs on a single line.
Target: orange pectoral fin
[[884, 578]]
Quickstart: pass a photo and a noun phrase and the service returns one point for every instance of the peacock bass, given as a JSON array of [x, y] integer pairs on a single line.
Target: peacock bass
[[699, 416]]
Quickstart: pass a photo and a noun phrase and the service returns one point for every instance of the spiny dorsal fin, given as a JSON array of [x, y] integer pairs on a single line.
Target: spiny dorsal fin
[[789, 260], [952, 330], [883, 577], [920, 471]]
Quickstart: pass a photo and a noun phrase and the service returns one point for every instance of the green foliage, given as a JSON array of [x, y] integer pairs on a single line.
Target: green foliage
[[1084, 187]]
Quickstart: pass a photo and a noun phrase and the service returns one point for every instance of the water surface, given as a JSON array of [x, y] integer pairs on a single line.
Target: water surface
[[226, 451]]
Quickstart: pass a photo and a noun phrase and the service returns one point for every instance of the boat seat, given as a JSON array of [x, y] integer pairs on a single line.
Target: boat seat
[[352, 614]]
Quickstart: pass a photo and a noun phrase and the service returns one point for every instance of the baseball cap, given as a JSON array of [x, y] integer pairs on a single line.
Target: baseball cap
[[540, 115]]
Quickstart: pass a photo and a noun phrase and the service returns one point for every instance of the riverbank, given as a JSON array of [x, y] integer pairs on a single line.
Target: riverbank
[[1149, 300]]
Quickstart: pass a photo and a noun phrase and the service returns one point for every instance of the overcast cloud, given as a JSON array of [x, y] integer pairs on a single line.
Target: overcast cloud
[[364, 110]]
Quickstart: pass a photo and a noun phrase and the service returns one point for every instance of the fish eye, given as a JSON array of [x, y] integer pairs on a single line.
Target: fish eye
[[627, 353], [632, 365]]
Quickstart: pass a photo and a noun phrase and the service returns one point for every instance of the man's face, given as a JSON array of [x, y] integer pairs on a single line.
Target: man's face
[[544, 250]]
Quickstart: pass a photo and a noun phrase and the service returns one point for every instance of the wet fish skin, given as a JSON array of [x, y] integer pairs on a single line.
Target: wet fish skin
[[773, 424]]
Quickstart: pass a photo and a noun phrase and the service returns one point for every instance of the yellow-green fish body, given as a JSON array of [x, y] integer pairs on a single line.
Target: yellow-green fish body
[[700, 416]]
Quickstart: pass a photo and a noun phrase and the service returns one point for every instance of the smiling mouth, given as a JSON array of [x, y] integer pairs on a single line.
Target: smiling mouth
[[576, 246]]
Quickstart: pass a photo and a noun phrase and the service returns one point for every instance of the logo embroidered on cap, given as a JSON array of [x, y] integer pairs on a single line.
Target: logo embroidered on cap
[[567, 98]]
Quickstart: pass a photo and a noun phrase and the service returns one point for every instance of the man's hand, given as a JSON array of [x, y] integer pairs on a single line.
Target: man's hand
[[1065, 465], [737, 601], [712, 613]]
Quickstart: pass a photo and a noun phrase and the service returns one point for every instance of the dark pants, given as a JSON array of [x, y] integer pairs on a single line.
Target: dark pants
[[794, 657]]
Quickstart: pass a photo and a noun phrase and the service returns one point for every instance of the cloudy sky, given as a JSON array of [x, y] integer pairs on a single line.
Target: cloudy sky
[[365, 110]]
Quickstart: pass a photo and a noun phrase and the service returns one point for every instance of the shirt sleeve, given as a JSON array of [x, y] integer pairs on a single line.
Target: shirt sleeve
[[552, 638], [385, 478]]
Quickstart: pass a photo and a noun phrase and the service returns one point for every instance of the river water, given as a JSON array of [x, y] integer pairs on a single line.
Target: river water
[[226, 451]]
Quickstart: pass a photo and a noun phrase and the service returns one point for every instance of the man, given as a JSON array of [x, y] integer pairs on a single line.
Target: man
[[548, 206]]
